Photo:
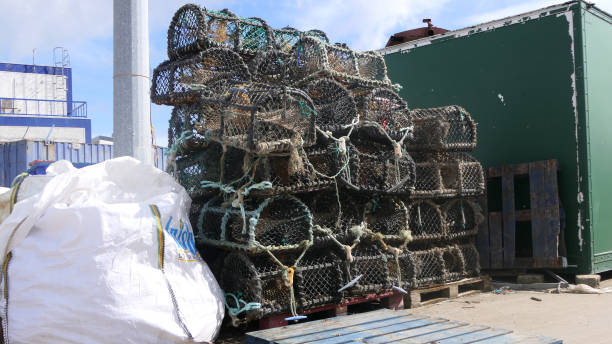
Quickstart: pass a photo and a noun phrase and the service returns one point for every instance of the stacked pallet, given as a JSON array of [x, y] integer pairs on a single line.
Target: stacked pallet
[[311, 179]]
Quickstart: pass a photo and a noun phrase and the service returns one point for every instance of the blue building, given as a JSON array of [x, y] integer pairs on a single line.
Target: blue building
[[36, 104]]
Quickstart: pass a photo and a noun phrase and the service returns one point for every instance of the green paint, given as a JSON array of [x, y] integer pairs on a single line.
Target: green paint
[[516, 81]]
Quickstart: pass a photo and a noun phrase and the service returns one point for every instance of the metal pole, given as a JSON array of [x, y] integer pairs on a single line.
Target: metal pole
[[131, 101]]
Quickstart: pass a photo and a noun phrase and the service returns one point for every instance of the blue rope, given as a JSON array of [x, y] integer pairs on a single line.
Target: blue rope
[[239, 309]]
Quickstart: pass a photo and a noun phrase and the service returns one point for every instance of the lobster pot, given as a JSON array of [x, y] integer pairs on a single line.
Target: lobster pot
[[402, 271], [279, 223], [471, 258], [317, 279], [454, 264], [449, 128], [462, 217], [176, 82], [182, 128], [286, 38], [370, 261], [335, 106], [429, 267], [257, 118], [254, 279], [425, 221], [388, 111], [447, 175], [337, 222], [208, 165], [313, 58], [379, 169], [388, 217], [195, 28]]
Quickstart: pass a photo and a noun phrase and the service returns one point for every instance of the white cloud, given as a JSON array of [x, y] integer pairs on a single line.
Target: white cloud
[[364, 24]]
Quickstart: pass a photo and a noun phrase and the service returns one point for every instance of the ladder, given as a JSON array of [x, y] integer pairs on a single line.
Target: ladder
[[61, 60]]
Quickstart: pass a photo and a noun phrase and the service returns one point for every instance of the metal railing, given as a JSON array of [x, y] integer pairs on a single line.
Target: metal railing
[[42, 107]]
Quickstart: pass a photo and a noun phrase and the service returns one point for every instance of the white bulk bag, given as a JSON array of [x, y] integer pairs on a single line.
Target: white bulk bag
[[106, 254]]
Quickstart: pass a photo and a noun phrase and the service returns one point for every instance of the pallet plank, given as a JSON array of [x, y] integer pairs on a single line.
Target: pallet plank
[[545, 224], [377, 327], [508, 213], [495, 240], [482, 240]]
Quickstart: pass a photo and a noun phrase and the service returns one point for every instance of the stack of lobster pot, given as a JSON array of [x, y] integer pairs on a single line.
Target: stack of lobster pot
[[311, 180]]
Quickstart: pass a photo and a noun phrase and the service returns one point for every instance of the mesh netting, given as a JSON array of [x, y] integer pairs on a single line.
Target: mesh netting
[[447, 175], [402, 271], [370, 261], [380, 168], [256, 117], [429, 267], [275, 224], [454, 265], [462, 217], [388, 110], [425, 221], [388, 218], [337, 216], [313, 58], [471, 259], [175, 82], [335, 105], [195, 28], [448, 128], [318, 279], [208, 165]]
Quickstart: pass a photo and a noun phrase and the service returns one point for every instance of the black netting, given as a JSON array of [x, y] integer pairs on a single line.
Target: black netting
[[340, 221], [256, 117], [388, 110], [370, 261], [471, 259], [389, 217], [312, 58], [176, 82], [447, 175], [276, 224], [380, 167], [462, 218], [425, 221], [454, 264], [449, 128], [402, 271], [240, 277], [318, 278], [429, 266], [335, 105]]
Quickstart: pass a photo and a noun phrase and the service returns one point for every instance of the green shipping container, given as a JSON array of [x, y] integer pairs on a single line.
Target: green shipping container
[[539, 85]]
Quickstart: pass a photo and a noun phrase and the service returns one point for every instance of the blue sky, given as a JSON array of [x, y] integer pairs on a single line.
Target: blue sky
[[84, 27]]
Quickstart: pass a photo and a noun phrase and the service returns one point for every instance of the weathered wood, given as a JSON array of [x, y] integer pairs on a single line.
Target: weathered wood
[[495, 240], [386, 326], [545, 217], [447, 291], [482, 240], [508, 213]]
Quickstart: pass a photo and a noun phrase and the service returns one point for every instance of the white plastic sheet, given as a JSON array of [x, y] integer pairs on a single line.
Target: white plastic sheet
[[106, 254]]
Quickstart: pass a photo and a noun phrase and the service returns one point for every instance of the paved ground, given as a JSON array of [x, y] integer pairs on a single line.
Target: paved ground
[[571, 317]]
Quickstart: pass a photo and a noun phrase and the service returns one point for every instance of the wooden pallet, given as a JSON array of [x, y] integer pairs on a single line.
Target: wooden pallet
[[387, 326], [447, 291], [391, 300]]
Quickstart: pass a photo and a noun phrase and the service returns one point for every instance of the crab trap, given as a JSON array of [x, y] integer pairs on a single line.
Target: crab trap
[[425, 221], [429, 267], [448, 128], [402, 269], [388, 111], [386, 219], [258, 118], [312, 58], [177, 82], [318, 277], [454, 264], [281, 223], [369, 262], [462, 217], [471, 259], [335, 106], [450, 174], [336, 218], [378, 167]]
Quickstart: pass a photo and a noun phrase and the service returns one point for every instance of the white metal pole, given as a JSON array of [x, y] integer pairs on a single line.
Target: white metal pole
[[131, 100]]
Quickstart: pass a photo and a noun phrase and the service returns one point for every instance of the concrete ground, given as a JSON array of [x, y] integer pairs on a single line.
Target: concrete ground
[[574, 318]]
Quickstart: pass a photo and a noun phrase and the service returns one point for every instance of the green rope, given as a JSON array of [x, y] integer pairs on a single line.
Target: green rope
[[306, 110], [241, 305]]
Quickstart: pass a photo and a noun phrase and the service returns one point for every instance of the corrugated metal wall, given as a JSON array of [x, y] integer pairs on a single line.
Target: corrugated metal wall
[[16, 156]]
